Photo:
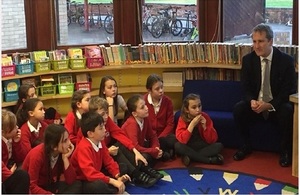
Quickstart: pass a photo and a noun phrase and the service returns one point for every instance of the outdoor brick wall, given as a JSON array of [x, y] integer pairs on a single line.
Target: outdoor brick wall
[[13, 30], [63, 23]]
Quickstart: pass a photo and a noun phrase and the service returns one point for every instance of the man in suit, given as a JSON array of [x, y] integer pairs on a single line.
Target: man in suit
[[266, 96]]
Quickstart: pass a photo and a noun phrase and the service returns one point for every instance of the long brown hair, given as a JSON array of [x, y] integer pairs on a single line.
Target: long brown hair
[[185, 106]]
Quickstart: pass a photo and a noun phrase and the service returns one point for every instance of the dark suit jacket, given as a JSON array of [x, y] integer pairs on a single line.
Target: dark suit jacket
[[282, 76]]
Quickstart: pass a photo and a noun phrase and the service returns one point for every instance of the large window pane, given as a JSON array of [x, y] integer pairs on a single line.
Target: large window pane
[[169, 20], [82, 22], [241, 16], [13, 31]]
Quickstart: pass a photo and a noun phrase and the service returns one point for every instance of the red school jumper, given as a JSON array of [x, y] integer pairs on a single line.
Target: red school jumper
[[209, 135], [163, 121], [88, 163], [71, 126], [138, 136], [112, 131], [36, 165], [28, 138]]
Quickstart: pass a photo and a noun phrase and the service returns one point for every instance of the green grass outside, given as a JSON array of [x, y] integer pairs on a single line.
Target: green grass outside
[[269, 3]]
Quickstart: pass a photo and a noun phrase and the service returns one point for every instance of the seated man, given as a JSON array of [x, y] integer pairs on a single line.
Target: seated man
[[268, 78]]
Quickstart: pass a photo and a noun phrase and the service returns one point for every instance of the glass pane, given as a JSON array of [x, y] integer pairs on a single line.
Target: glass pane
[[13, 25], [241, 16], [169, 20], [82, 22]]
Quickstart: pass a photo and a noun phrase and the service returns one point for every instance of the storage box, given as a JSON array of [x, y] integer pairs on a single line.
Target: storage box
[[10, 96], [84, 86], [66, 88], [48, 90], [77, 63], [8, 71], [58, 65], [94, 62], [11, 85], [25, 68], [43, 66]]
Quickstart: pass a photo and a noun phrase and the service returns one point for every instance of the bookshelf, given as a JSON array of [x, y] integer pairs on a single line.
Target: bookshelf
[[131, 78]]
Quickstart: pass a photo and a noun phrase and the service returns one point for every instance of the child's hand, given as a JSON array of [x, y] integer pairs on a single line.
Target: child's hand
[[160, 153], [70, 150], [124, 178], [110, 100], [202, 121], [113, 150], [195, 120], [118, 184], [17, 138], [13, 168]]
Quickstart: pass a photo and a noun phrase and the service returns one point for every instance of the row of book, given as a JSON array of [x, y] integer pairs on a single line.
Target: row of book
[[182, 53], [220, 74]]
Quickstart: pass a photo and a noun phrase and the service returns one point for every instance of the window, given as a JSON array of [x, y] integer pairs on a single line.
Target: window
[[13, 25], [240, 17], [169, 20], [83, 22]]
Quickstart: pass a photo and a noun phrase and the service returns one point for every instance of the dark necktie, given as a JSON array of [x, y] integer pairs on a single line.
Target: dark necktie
[[266, 87]]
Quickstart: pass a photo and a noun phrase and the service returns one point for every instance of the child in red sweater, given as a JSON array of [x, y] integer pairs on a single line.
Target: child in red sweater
[[48, 164], [95, 167], [30, 119], [196, 134], [138, 128], [161, 117], [13, 181], [121, 147], [79, 104]]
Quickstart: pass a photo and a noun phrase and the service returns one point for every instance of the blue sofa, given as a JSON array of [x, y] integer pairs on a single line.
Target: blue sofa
[[218, 99]]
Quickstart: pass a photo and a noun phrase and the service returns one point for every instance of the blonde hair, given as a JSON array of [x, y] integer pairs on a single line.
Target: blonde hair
[[9, 121]]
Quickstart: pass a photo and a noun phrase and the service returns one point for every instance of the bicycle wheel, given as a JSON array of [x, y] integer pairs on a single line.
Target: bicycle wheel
[[176, 27], [81, 20], [149, 22], [109, 24], [157, 29]]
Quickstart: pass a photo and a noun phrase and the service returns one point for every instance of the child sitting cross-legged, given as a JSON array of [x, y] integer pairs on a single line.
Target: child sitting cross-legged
[[95, 167]]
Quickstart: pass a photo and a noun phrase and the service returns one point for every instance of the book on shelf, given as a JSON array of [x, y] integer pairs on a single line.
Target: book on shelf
[[40, 56], [172, 78], [75, 53], [6, 60], [92, 51], [65, 79]]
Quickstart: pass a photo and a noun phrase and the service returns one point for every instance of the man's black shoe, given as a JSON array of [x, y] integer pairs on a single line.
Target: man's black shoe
[[242, 153], [284, 159]]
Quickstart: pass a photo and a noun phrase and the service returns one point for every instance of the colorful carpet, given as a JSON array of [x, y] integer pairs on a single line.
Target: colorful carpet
[[204, 181]]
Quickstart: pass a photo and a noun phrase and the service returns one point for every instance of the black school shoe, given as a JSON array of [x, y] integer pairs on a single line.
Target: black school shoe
[[143, 180], [153, 173], [216, 160]]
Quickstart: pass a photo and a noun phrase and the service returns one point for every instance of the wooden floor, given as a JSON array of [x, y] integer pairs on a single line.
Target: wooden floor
[[263, 164]]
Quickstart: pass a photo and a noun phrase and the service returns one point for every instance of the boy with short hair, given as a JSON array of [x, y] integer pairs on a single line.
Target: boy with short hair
[[91, 156]]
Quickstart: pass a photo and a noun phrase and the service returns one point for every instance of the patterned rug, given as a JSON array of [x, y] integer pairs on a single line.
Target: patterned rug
[[204, 181]]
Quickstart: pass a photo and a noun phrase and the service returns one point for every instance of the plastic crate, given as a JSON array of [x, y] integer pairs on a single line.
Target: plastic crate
[[77, 63], [94, 62], [58, 65], [48, 90], [66, 88], [8, 71], [11, 85], [25, 68], [10, 96], [84, 86], [43, 66]]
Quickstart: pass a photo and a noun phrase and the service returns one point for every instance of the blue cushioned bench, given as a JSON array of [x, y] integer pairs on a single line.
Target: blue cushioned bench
[[218, 99]]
